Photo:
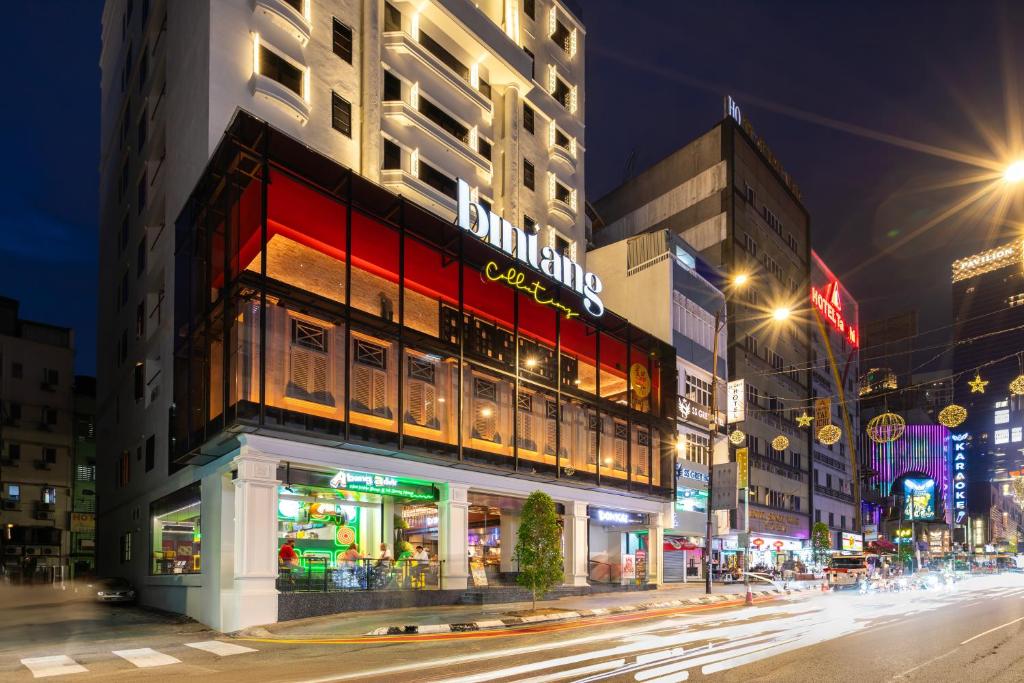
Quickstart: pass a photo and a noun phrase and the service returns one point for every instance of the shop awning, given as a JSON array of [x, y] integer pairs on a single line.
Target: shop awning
[[881, 546], [674, 544]]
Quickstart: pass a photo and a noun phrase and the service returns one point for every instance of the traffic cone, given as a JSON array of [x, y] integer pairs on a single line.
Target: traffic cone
[[824, 586], [749, 600]]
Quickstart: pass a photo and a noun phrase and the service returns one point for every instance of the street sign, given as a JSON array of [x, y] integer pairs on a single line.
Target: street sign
[[736, 395], [723, 487], [742, 469]]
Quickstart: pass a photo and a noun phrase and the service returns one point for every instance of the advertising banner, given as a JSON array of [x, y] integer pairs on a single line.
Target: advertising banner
[[742, 469], [723, 487], [822, 412], [83, 522], [628, 569], [919, 499], [851, 542]]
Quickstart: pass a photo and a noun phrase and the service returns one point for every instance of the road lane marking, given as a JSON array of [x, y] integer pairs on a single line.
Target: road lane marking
[[985, 633], [145, 657], [581, 671], [57, 665], [672, 678], [220, 648]]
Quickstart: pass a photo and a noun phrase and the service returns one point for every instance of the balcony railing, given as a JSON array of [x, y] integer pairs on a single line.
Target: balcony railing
[[832, 493], [321, 576]]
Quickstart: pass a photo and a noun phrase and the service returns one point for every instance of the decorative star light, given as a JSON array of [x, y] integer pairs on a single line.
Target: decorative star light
[[804, 420], [978, 384]]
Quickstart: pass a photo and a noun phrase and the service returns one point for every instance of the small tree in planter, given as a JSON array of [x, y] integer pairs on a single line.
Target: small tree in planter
[[539, 548], [821, 542]]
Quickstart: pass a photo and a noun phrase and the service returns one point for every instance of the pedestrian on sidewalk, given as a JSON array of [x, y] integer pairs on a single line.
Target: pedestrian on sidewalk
[[422, 559]]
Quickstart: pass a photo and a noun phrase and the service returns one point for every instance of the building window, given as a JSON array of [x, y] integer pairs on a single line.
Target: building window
[[49, 416], [279, 69], [150, 452], [126, 547], [392, 87], [341, 115], [176, 532], [484, 148], [533, 62], [528, 175], [564, 38], [528, 115], [530, 8], [529, 225], [563, 194], [563, 246], [392, 18], [817, 515], [444, 56], [562, 92], [1001, 436], [143, 130], [50, 456], [438, 180], [139, 376], [443, 119], [698, 390], [1002, 416], [831, 519], [392, 155], [140, 320], [697, 448], [485, 88], [51, 377], [124, 472], [140, 258], [48, 495], [13, 492], [16, 370], [343, 41]]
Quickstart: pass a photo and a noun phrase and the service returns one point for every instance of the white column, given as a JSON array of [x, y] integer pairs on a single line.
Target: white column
[[252, 598], [577, 552], [656, 549], [387, 524], [453, 535], [509, 535]]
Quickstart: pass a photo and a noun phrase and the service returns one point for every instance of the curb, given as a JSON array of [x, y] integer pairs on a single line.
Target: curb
[[510, 622]]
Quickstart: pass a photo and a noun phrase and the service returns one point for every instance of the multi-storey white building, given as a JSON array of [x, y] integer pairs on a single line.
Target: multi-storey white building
[[411, 97]]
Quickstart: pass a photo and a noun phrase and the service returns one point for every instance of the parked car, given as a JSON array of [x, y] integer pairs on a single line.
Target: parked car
[[113, 590]]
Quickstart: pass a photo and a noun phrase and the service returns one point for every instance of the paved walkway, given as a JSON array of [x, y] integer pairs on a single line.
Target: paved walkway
[[359, 623]]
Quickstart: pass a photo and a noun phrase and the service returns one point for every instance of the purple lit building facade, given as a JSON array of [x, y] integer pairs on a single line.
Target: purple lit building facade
[[923, 449]]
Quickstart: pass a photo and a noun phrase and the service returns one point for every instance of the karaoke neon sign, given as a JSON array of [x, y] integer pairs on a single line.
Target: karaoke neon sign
[[830, 305], [959, 477]]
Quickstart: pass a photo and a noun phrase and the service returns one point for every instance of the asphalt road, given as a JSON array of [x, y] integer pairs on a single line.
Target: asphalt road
[[975, 633]]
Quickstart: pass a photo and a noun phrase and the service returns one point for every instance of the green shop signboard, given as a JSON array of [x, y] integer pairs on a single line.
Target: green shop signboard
[[367, 482]]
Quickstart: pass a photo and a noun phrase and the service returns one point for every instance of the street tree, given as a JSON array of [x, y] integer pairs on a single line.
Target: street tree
[[821, 542], [539, 548]]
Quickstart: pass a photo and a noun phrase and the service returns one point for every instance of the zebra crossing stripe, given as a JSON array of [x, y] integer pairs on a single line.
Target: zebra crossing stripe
[[220, 648], [146, 657], [57, 665]]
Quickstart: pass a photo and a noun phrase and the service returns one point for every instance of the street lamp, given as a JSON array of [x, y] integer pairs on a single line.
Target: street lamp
[[1014, 172], [781, 313]]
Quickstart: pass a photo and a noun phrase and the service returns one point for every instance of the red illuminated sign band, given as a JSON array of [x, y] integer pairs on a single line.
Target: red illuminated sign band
[[830, 305]]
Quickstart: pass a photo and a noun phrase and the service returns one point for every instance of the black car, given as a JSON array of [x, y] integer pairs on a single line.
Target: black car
[[113, 590]]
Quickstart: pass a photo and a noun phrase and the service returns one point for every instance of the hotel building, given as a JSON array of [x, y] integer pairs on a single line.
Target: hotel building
[[299, 344]]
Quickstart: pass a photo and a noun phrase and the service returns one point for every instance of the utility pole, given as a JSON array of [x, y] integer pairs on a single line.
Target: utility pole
[[712, 429]]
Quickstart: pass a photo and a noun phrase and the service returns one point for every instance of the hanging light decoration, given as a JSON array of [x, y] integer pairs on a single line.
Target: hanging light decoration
[[1017, 385], [886, 428], [737, 437], [977, 384], [952, 416], [780, 443], [829, 434]]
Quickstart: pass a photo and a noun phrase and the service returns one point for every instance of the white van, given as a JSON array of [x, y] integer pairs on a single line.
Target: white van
[[846, 571]]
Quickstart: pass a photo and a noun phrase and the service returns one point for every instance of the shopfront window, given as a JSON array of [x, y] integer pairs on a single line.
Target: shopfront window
[[176, 532]]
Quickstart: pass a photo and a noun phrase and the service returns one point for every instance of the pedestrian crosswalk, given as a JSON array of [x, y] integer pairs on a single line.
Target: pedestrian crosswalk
[[142, 658]]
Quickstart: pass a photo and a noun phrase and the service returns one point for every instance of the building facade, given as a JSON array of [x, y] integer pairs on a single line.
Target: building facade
[[36, 447], [681, 298], [409, 96], [728, 196], [988, 293], [835, 374], [82, 555]]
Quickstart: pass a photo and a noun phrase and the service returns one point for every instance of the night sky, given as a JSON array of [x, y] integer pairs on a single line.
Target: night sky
[[818, 80]]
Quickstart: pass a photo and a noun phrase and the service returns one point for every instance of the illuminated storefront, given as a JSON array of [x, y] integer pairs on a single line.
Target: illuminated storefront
[[371, 351]]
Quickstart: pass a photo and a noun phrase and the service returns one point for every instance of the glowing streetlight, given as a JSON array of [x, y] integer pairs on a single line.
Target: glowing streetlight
[[781, 313], [741, 279], [1014, 173]]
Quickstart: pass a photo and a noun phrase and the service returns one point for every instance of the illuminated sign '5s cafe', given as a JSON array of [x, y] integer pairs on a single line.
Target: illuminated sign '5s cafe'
[[488, 226]]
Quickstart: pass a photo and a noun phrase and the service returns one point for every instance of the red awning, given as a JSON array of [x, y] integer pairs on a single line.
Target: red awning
[[676, 544], [881, 546]]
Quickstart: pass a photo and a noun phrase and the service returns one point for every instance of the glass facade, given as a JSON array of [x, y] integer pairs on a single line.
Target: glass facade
[[313, 301]]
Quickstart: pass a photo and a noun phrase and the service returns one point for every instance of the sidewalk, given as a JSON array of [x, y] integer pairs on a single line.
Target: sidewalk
[[349, 624]]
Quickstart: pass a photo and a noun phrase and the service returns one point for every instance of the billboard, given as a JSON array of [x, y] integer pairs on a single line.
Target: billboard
[[736, 393], [918, 499], [851, 542], [691, 500]]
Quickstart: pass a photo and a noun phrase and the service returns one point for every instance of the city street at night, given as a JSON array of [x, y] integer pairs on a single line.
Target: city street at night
[[974, 631], [513, 341]]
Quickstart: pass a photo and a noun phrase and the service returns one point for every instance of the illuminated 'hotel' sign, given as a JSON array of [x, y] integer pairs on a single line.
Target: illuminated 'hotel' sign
[[492, 228], [830, 305], [959, 477]]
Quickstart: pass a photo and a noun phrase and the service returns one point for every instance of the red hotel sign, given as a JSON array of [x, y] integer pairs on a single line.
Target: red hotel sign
[[830, 305]]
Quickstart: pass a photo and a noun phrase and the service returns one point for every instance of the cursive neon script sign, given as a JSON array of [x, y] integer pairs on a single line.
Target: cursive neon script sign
[[517, 278], [831, 306], [493, 229]]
